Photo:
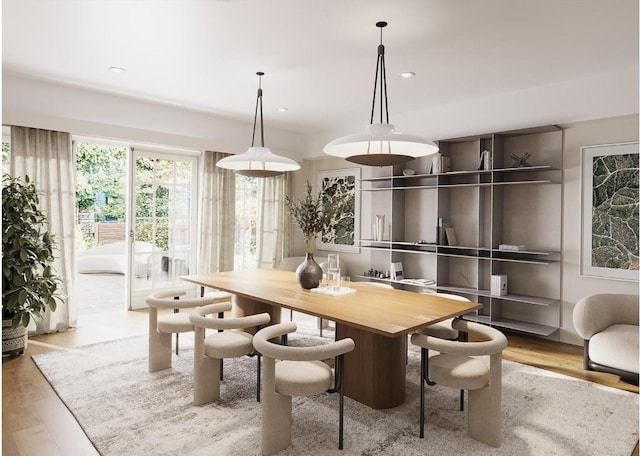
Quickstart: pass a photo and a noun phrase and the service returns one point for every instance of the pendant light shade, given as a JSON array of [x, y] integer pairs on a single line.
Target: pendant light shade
[[258, 161], [380, 144]]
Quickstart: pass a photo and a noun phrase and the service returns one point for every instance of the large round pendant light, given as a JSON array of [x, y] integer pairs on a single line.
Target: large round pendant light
[[380, 144], [258, 161]]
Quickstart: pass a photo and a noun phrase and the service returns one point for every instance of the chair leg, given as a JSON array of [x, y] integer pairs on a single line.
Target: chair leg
[[276, 413], [423, 378], [258, 378], [341, 412], [462, 400]]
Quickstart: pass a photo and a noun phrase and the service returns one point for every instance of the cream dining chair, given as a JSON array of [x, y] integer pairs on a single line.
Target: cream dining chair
[[300, 372], [456, 366], [210, 351], [161, 327]]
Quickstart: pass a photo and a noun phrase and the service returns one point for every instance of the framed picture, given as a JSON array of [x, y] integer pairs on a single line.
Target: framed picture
[[341, 233], [609, 212]]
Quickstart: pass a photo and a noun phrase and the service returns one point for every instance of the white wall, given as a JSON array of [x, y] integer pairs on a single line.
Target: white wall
[[39, 104], [575, 286]]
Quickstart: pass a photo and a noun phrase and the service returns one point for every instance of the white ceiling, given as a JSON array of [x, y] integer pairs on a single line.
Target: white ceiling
[[319, 56]]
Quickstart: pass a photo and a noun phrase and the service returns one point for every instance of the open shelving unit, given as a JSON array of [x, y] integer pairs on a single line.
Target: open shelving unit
[[486, 208]]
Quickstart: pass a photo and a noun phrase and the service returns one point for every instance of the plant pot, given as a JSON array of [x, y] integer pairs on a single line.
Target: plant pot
[[14, 340], [309, 273]]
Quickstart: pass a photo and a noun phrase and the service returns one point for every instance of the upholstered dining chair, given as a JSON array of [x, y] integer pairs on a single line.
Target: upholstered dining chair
[[443, 330], [456, 367], [161, 327], [210, 351], [300, 372]]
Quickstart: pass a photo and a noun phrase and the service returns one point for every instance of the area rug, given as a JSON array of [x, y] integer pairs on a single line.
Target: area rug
[[125, 410]]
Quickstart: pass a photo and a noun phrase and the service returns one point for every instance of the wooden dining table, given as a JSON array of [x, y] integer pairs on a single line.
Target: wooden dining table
[[377, 319]]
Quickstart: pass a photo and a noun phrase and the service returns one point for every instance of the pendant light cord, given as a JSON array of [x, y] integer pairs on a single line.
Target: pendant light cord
[[384, 104], [255, 115]]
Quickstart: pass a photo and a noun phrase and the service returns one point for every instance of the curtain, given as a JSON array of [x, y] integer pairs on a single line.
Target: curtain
[[273, 225], [47, 158], [217, 216]]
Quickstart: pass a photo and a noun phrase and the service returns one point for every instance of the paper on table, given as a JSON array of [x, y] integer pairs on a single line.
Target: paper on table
[[331, 292]]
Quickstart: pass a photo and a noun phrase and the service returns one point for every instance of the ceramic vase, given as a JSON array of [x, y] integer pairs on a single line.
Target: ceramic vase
[[309, 273], [378, 227]]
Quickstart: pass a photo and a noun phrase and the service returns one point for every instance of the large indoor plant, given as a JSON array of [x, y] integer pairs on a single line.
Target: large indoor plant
[[30, 284], [312, 215]]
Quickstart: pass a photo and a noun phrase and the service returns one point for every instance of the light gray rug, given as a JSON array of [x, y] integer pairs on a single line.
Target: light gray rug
[[124, 410]]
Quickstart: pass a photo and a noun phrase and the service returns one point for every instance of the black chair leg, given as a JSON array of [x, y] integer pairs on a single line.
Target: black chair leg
[[258, 377], [423, 378], [341, 415], [462, 400], [221, 369]]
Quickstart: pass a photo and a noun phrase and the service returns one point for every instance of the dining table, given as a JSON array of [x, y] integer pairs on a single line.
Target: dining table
[[377, 319]]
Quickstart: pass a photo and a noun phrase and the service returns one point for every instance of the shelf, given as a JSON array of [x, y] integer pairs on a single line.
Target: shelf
[[398, 282], [523, 326], [536, 300]]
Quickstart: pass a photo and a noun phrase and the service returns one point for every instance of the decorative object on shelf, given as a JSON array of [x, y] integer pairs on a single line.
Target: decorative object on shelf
[[397, 272], [610, 201], [378, 228], [377, 274], [408, 172], [486, 162], [512, 248], [380, 144], [258, 161], [340, 188], [440, 164], [30, 285], [499, 285], [521, 162], [450, 232], [311, 215]]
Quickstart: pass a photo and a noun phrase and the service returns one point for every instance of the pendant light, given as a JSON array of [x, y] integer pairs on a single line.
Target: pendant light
[[258, 161], [380, 144]]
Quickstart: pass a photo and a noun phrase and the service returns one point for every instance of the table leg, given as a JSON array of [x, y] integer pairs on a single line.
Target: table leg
[[375, 371], [245, 306]]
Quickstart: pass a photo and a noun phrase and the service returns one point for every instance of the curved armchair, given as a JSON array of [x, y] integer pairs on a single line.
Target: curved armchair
[[210, 351], [161, 327], [300, 372], [454, 367], [608, 323]]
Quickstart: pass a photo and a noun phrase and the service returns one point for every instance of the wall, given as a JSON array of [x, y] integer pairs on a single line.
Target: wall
[[574, 286]]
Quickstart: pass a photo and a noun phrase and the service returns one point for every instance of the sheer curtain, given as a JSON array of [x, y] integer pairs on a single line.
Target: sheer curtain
[[217, 216], [47, 158], [273, 227]]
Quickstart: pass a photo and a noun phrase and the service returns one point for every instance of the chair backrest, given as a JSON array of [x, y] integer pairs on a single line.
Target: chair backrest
[[269, 349], [164, 299], [449, 296], [495, 341], [198, 317], [595, 313]]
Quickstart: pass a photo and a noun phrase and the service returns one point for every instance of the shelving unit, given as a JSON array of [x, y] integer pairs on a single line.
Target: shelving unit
[[487, 208]]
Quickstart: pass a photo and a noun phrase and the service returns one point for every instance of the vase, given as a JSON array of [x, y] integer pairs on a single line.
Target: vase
[[378, 228], [14, 340], [309, 273]]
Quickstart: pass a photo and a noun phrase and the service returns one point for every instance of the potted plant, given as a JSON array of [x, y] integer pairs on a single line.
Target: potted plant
[[312, 215], [29, 282]]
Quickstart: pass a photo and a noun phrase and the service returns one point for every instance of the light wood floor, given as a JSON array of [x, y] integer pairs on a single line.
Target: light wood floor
[[35, 422]]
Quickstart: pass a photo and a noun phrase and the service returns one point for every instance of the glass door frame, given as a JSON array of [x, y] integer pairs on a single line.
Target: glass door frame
[[135, 297]]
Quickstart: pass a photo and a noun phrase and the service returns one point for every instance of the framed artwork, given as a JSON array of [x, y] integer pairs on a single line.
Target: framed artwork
[[609, 215], [340, 235]]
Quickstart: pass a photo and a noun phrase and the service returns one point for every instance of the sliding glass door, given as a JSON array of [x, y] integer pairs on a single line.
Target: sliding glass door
[[162, 222]]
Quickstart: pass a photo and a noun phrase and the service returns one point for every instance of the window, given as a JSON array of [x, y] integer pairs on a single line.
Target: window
[[246, 222]]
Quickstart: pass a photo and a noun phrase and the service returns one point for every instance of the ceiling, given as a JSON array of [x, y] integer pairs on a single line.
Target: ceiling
[[319, 56]]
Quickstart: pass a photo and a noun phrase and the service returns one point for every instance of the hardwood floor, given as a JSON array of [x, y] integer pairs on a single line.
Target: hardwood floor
[[35, 422]]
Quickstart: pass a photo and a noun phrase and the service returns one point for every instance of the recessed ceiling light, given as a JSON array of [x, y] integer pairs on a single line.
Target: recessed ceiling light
[[283, 109], [407, 74], [116, 69]]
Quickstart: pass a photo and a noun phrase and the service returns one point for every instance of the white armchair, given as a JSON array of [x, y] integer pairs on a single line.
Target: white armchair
[[608, 323]]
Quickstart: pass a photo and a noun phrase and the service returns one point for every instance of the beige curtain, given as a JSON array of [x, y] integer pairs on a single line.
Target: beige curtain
[[273, 227], [47, 158], [217, 216]]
